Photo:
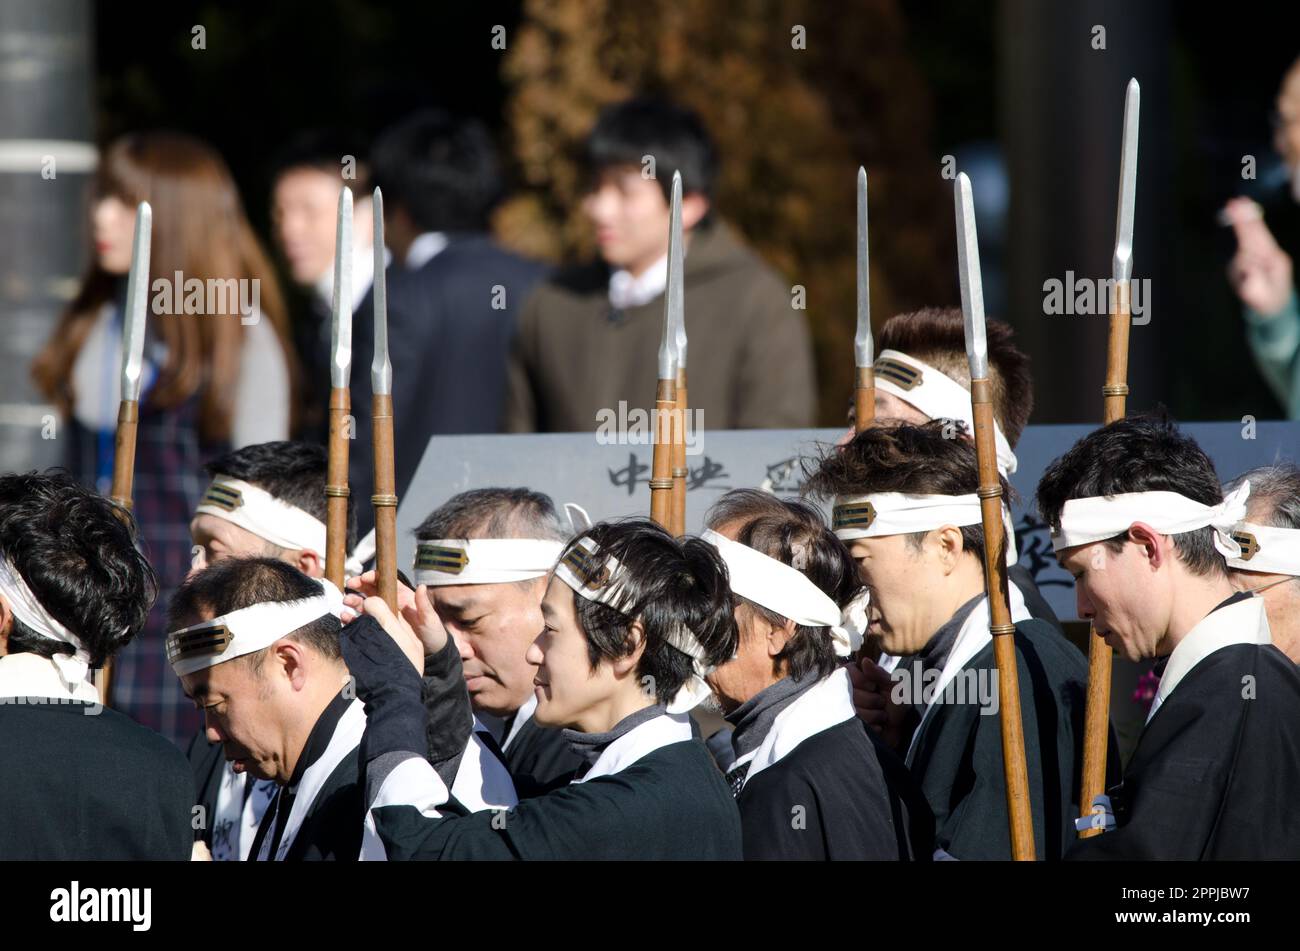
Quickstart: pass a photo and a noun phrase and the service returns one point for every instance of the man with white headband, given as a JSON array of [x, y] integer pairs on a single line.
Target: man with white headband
[[485, 556], [1269, 563], [904, 501], [78, 781], [810, 780], [1140, 521], [265, 500], [634, 619], [255, 643], [922, 373]]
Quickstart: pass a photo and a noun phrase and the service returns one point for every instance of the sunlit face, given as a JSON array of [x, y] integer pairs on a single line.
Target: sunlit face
[[217, 539], [493, 626], [908, 590], [1126, 598], [113, 224], [244, 711], [630, 217], [569, 693], [304, 208]]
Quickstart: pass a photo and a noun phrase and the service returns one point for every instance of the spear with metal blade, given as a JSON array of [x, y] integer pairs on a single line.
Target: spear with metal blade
[[675, 301], [1096, 730], [667, 435], [381, 381], [128, 410], [995, 542], [336, 485], [864, 394]]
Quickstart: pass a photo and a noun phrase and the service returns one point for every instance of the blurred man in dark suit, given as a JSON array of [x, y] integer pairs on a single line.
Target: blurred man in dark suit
[[453, 293]]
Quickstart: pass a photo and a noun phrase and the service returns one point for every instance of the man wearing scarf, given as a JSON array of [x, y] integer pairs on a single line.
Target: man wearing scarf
[[81, 781], [1139, 519], [905, 502], [1269, 563]]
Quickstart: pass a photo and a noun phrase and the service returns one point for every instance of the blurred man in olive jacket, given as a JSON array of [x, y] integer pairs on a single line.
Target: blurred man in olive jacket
[[587, 339]]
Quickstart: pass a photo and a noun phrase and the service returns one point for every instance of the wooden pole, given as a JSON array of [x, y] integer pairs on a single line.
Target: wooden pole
[[336, 487], [1001, 626], [864, 399], [385, 502], [661, 470], [680, 472]]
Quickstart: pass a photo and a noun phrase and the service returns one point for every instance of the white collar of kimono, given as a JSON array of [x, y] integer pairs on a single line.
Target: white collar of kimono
[[249, 629], [826, 704], [447, 561], [901, 513], [258, 511], [31, 675], [73, 668], [783, 589], [937, 395], [1267, 548], [603, 579], [1094, 519], [641, 740], [1242, 622]]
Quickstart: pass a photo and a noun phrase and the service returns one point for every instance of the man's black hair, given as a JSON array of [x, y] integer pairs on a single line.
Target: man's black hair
[[670, 582], [76, 551], [293, 472], [236, 583], [1143, 453], [929, 459], [441, 168], [323, 150], [629, 131]]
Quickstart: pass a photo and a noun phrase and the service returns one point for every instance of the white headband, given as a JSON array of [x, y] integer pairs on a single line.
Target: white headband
[[249, 629], [484, 560], [783, 589], [261, 513], [73, 668], [899, 513], [604, 582], [937, 395], [1267, 548], [1095, 519]]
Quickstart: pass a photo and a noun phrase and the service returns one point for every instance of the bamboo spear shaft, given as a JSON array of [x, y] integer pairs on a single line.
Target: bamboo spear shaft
[[1096, 731], [995, 541], [384, 499]]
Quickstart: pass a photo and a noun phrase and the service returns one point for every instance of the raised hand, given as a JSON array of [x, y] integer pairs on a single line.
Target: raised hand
[[1260, 272]]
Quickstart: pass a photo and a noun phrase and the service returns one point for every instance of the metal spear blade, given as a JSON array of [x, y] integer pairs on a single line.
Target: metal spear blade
[[863, 347], [381, 368], [968, 273], [672, 347], [341, 323], [1122, 265], [137, 303]]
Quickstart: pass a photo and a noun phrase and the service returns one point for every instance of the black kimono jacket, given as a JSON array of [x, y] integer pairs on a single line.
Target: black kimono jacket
[[80, 781], [1216, 771], [822, 787], [956, 751]]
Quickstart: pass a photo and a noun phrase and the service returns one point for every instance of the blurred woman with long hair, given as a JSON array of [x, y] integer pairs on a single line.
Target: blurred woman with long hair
[[218, 371]]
